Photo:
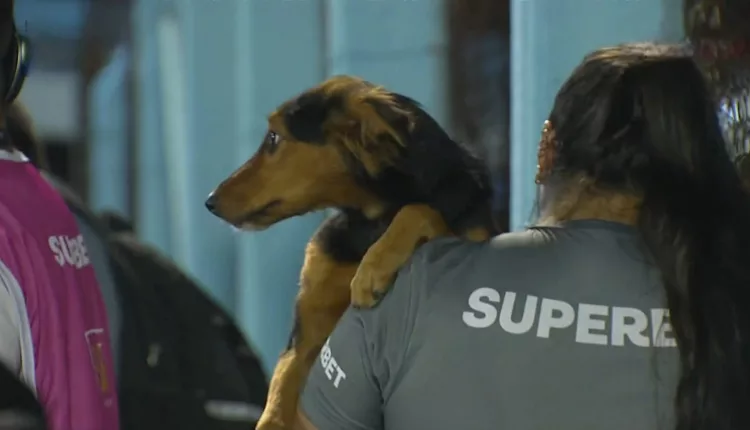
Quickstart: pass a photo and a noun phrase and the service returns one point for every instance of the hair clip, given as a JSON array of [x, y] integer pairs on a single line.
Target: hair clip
[[548, 146], [548, 132]]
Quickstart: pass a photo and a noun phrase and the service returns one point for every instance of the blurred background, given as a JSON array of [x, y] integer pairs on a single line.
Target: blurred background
[[146, 105]]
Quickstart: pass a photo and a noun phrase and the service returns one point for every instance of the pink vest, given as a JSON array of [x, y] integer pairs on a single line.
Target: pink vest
[[41, 246]]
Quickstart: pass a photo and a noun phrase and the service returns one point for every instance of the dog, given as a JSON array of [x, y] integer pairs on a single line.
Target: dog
[[396, 180]]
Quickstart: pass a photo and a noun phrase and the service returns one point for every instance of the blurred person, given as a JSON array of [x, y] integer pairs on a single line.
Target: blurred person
[[182, 361], [21, 129], [53, 326], [626, 307]]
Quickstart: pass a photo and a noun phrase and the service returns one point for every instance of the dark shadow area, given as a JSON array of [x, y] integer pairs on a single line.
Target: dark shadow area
[[479, 69]]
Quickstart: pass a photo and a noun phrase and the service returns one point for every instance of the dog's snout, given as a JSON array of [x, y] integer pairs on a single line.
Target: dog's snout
[[211, 203]]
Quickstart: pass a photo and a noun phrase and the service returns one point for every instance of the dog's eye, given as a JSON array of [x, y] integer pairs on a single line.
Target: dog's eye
[[272, 138]]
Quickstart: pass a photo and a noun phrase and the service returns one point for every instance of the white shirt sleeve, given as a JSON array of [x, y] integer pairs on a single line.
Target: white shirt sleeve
[[16, 345], [10, 330]]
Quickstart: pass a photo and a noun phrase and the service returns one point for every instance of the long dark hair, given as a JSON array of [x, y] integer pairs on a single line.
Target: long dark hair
[[639, 118]]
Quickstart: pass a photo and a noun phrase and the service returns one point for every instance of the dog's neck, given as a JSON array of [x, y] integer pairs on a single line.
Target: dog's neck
[[373, 211], [377, 214]]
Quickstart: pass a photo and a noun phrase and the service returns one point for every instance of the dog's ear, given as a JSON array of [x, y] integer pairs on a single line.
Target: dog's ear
[[376, 128], [383, 122], [432, 159]]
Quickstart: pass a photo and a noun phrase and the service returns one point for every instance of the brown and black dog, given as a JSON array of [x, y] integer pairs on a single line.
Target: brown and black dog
[[394, 176]]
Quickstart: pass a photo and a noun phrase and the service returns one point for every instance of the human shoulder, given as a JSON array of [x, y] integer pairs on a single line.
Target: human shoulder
[[451, 247], [442, 251], [523, 239], [451, 253]]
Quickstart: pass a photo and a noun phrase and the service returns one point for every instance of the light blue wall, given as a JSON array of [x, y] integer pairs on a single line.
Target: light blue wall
[[151, 211], [399, 44], [549, 38], [208, 41], [108, 133]]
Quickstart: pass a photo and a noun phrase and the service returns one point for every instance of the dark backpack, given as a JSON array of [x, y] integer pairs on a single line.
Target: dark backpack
[[184, 364], [19, 409]]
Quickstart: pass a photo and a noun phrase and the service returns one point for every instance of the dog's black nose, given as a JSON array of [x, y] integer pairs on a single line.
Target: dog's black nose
[[211, 202]]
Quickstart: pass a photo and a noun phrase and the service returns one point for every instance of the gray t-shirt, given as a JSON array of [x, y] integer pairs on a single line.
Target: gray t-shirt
[[550, 328]]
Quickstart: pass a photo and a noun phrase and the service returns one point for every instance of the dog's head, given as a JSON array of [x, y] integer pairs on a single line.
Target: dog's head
[[316, 146]]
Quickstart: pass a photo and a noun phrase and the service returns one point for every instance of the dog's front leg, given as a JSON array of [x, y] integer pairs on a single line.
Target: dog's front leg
[[323, 298], [412, 226]]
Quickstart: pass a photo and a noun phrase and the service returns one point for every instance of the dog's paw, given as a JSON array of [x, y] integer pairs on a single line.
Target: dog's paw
[[370, 284]]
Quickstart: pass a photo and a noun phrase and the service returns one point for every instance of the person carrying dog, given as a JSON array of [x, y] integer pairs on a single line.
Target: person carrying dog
[[627, 306]]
